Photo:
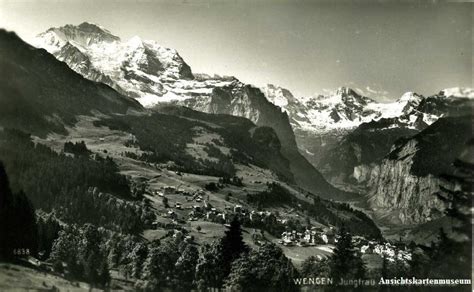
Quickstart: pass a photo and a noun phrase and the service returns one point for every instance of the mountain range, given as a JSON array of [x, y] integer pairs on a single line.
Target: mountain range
[[153, 74], [327, 126], [324, 126], [334, 137]]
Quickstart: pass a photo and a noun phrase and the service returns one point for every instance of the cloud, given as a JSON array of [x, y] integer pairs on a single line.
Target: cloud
[[370, 90], [376, 92]]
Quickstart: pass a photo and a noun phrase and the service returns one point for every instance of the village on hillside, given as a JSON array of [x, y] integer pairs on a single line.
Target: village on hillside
[[196, 206]]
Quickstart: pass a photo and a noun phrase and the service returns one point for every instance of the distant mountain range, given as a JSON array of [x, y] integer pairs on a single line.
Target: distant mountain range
[[132, 162], [321, 122], [344, 108]]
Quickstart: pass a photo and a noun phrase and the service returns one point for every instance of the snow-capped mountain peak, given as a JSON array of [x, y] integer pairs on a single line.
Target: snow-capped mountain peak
[[151, 73], [409, 101], [279, 96], [409, 96], [135, 42], [343, 96], [345, 109], [82, 35], [138, 68], [345, 91]]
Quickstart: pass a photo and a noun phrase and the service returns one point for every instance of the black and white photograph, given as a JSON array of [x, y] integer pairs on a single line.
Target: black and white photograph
[[236, 145]]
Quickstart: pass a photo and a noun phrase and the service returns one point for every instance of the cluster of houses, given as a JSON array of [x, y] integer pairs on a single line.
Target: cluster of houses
[[387, 250], [310, 237], [318, 236], [212, 214], [205, 211]]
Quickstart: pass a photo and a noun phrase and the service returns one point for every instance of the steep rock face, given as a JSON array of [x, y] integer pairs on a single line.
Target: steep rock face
[[82, 65], [448, 102], [393, 190], [410, 100], [283, 98], [246, 101], [403, 186]]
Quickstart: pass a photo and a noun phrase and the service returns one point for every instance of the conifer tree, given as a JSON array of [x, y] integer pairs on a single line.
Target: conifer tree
[[233, 245], [346, 261], [265, 269]]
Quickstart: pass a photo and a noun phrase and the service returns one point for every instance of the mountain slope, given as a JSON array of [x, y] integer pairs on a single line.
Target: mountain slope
[[250, 102], [33, 96], [42, 95], [200, 143]]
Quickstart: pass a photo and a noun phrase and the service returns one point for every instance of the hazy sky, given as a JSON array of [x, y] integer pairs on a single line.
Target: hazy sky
[[305, 46]]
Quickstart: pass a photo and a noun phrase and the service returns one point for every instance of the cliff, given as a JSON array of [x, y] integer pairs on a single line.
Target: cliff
[[402, 188]]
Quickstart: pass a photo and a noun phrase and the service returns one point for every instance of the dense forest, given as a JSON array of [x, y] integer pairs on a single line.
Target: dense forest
[[92, 185]]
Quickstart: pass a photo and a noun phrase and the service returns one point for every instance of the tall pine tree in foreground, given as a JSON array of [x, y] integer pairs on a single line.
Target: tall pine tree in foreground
[[233, 245], [346, 261], [214, 264]]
